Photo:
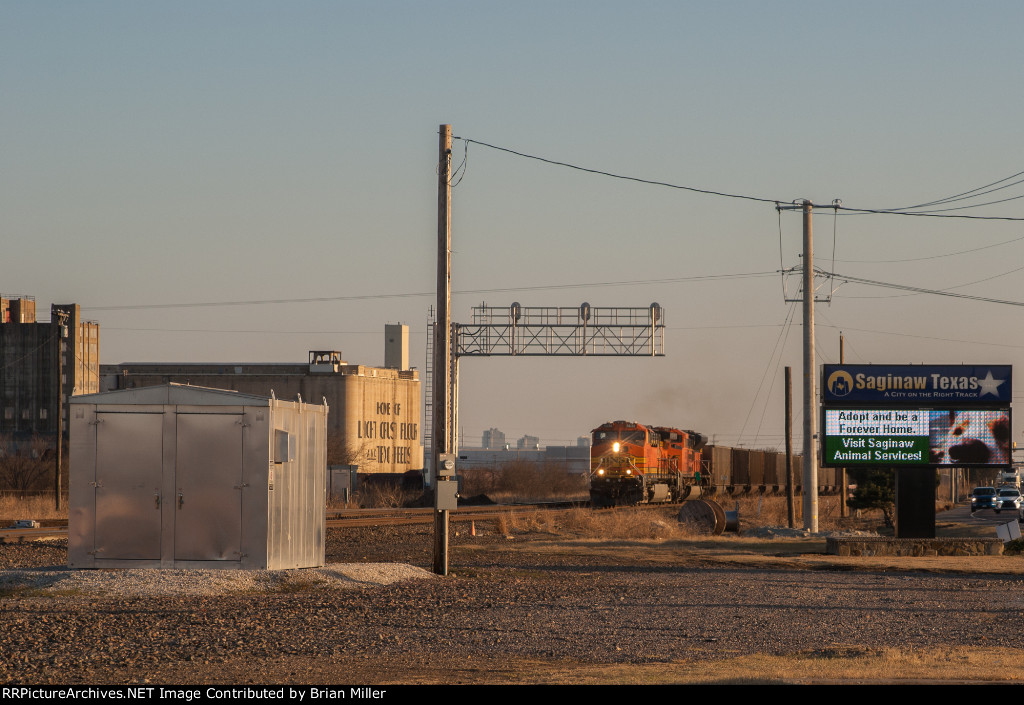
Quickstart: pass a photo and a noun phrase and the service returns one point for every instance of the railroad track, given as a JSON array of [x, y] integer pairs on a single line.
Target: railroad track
[[338, 519], [375, 517]]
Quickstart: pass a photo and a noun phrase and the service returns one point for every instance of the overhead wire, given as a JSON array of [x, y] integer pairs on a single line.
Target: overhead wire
[[967, 194], [776, 201], [599, 172], [930, 257], [923, 337], [948, 288], [882, 211], [962, 208], [775, 375], [768, 366], [935, 292], [493, 290]]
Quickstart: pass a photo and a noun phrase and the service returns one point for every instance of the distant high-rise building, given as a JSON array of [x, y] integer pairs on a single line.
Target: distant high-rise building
[[396, 346], [528, 442], [29, 386], [493, 439]]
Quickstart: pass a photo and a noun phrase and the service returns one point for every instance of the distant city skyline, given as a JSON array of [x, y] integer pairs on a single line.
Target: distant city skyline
[[250, 181]]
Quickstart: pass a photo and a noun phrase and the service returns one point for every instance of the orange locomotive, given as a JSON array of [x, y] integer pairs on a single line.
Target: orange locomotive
[[631, 463]]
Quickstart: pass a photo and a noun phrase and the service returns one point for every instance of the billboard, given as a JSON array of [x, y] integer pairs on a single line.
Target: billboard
[[916, 437], [947, 385], [916, 415]]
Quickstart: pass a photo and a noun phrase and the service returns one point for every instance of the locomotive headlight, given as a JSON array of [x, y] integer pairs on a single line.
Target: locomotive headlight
[[615, 447], [629, 472], [601, 471]]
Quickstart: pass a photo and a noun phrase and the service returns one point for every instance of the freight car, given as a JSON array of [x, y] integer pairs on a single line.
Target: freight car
[[631, 463]]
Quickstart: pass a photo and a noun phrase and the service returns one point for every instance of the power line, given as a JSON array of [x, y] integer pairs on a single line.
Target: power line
[[948, 288], [921, 259], [920, 337], [364, 297], [968, 194], [649, 182], [747, 197], [919, 290], [881, 211]]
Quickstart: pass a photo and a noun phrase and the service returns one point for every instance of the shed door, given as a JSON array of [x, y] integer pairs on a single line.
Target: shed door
[[208, 480], [129, 471]]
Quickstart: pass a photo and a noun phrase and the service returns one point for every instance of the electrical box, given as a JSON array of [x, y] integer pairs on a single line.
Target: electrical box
[[446, 465], [446, 495]]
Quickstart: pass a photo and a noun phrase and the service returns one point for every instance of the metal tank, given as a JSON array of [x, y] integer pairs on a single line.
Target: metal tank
[[176, 476]]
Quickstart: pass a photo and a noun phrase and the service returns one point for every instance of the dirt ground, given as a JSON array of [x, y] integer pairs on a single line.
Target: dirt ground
[[530, 601]]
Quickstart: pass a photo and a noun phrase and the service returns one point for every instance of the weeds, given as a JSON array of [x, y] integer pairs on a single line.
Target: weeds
[[623, 523], [1014, 548], [35, 506], [384, 496], [524, 482]]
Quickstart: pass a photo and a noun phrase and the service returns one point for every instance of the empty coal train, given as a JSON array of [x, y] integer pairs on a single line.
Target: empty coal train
[[631, 463]]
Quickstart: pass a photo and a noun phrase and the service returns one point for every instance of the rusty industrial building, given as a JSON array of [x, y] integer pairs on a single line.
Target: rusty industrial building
[[374, 420], [29, 381]]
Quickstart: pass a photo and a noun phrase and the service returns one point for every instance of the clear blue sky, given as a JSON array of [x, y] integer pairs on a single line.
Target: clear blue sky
[[203, 152]]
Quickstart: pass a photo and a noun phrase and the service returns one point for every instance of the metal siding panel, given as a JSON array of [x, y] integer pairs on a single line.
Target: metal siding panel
[[208, 520], [256, 451], [129, 475], [81, 494]]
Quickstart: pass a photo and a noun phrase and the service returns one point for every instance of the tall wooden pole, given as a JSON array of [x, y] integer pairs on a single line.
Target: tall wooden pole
[[59, 319], [790, 478], [442, 344], [59, 328], [810, 481], [844, 511]]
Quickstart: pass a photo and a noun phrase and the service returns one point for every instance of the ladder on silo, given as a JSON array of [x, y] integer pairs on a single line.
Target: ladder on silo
[[428, 402]]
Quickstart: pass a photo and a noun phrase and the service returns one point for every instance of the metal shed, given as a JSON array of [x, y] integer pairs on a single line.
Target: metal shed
[[176, 476]]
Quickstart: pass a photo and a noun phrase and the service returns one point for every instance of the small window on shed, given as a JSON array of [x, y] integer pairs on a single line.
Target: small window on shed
[[284, 446]]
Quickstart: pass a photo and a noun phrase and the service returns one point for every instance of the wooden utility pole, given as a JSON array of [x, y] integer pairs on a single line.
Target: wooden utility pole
[[59, 319], [810, 480], [844, 511], [442, 344], [790, 479]]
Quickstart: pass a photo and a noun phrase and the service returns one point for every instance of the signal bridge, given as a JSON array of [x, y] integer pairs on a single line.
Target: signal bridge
[[561, 331]]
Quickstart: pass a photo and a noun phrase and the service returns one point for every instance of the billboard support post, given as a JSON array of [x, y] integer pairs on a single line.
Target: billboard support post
[[915, 504]]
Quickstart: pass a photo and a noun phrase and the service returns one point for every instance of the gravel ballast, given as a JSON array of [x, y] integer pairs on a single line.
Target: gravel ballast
[[375, 611]]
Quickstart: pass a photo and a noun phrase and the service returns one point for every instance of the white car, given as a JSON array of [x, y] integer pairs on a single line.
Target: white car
[[1008, 498]]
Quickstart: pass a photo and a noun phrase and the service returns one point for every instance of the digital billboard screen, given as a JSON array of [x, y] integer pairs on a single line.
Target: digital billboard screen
[[916, 437]]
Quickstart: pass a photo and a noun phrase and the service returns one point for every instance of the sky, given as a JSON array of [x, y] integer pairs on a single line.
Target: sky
[[162, 162]]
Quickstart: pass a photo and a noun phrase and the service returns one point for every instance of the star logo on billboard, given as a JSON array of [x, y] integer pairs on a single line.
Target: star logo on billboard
[[989, 385]]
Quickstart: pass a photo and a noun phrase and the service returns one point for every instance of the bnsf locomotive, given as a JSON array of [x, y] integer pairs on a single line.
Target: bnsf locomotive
[[631, 463]]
